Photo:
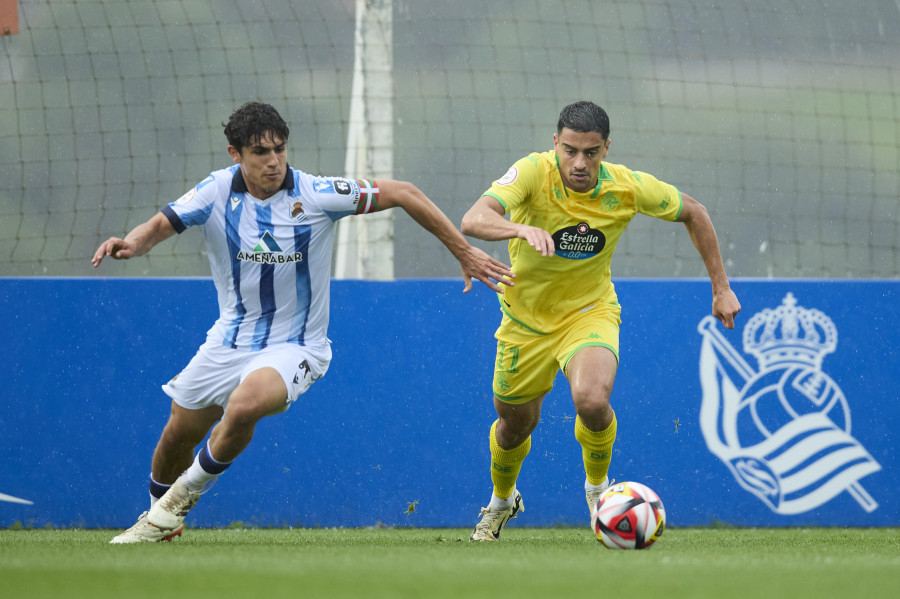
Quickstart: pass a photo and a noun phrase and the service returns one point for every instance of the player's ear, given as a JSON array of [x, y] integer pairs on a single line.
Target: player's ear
[[235, 154]]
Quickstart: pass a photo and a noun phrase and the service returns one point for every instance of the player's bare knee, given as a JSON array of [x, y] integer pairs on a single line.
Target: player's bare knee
[[593, 408], [177, 435], [591, 397], [245, 413]]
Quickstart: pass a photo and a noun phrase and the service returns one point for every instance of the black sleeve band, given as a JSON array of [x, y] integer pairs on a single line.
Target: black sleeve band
[[174, 220]]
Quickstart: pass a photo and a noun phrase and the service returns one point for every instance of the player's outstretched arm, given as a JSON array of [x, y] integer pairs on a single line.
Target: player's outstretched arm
[[485, 221], [696, 220], [137, 243], [475, 263]]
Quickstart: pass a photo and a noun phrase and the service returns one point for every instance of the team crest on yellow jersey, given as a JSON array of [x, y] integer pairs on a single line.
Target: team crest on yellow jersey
[[609, 201]]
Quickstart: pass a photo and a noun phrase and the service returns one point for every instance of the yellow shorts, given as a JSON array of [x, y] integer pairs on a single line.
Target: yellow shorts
[[527, 361]]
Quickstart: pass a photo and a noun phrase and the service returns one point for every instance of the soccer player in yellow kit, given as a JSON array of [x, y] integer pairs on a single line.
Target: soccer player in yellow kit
[[567, 209]]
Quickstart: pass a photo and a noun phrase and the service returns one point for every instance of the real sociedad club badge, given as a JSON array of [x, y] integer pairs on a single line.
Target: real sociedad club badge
[[297, 213], [784, 430]]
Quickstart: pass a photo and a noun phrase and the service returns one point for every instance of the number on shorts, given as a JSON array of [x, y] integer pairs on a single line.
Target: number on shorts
[[514, 359]]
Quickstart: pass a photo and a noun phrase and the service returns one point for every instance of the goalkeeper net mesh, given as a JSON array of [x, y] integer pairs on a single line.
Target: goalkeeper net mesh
[[782, 118]]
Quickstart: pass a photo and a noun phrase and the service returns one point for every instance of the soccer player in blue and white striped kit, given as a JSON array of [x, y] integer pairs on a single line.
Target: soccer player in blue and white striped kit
[[269, 229]]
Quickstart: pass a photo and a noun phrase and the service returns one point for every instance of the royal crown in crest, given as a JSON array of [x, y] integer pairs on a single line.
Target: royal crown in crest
[[790, 334]]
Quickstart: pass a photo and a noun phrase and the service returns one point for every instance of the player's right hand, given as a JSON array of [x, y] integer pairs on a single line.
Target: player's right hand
[[480, 265], [726, 307], [114, 247], [539, 239]]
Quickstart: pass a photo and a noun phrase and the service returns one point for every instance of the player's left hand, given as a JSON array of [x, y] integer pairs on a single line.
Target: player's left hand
[[725, 307], [480, 265]]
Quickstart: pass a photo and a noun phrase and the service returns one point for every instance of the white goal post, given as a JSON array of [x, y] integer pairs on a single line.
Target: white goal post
[[365, 244]]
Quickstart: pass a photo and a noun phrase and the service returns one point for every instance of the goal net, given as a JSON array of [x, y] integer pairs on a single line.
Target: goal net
[[782, 118]]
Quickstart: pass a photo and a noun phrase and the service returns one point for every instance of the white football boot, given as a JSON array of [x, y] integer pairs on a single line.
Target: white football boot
[[144, 532], [592, 494], [494, 519], [168, 513]]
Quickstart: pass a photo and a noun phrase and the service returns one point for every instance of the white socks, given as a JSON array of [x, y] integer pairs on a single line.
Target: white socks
[[203, 471], [588, 487], [499, 502]]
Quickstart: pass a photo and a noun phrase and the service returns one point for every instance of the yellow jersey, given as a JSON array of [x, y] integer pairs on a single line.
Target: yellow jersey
[[585, 228]]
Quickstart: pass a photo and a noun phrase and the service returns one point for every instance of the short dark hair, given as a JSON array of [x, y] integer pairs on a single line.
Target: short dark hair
[[251, 122], [584, 117]]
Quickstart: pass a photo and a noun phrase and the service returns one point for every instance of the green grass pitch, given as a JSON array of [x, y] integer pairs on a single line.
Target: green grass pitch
[[817, 563]]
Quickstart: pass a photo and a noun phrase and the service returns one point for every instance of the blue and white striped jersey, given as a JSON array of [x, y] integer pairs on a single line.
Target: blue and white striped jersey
[[271, 260]]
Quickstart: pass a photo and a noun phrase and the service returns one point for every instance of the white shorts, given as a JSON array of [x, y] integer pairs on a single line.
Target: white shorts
[[216, 370]]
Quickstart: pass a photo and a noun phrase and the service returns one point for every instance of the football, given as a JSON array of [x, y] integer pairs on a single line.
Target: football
[[628, 515]]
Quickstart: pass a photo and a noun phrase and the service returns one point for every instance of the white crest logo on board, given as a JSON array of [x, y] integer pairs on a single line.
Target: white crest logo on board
[[783, 430]]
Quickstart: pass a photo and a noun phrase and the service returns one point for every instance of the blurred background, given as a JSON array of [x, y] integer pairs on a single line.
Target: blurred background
[[783, 118]]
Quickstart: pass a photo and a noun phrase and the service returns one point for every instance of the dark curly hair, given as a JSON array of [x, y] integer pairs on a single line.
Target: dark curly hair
[[251, 122], [584, 117]]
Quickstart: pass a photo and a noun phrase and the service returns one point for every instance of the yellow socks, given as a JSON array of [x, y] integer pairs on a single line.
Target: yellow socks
[[596, 450], [506, 464]]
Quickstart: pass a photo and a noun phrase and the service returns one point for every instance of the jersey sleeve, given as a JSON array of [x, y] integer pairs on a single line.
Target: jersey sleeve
[[520, 183], [656, 198], [339, 197], [195, 206]]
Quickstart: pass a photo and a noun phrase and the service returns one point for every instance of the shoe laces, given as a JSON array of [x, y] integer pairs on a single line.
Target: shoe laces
[[181, 500]]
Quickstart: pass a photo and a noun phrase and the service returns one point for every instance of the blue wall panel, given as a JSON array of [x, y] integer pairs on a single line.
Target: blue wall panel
[[401, 418]]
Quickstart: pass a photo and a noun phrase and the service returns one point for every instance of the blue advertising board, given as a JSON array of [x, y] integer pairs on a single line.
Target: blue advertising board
[[790, 419]]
